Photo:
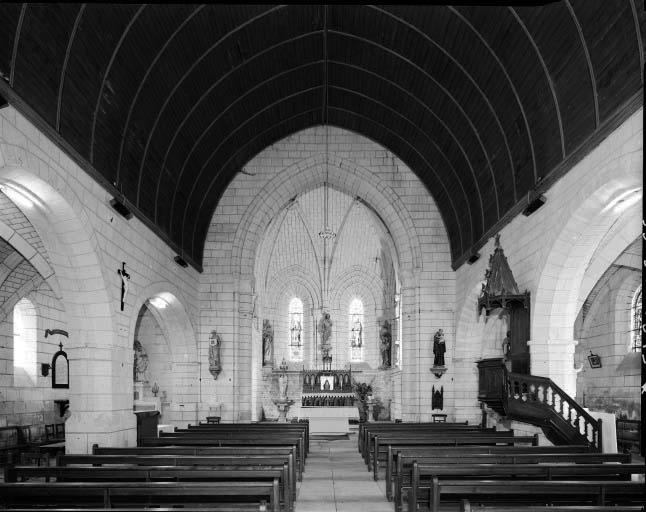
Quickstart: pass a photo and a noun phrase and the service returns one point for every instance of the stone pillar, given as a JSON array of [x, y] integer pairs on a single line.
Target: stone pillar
[[243, 351], [410, 347], [101, 395], [554, 359]]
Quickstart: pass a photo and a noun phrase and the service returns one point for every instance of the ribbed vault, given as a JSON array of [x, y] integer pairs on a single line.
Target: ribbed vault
[[165, 104]]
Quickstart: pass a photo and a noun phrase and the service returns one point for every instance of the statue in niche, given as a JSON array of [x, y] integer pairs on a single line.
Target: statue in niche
[[214, 354], [506, 350], [140, 366], [385, 344], [437, 398], [267, 343], [439, 348], [356, 332], [282, 386]]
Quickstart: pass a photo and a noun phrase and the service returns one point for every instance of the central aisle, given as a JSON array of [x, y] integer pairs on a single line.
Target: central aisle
[[337, 480]]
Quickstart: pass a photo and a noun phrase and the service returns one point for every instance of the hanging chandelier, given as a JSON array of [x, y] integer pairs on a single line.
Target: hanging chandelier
[[327, 233]]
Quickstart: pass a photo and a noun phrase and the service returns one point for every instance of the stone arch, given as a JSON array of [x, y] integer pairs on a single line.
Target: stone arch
[[344, 176], [97, 413], [560, 278], [173, 320], [22, 246]]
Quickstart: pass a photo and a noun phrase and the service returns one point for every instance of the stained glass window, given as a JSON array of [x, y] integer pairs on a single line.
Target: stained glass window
[[636, 323], [296, 329], [356, 330]]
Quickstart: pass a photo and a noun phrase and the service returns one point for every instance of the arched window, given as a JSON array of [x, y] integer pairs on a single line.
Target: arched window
[[355, 318], [636, 321], [296, 329], [24, 343], [397, 333]]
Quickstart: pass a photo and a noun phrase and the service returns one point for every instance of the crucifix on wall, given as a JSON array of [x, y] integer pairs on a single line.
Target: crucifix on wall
[[125, 282]]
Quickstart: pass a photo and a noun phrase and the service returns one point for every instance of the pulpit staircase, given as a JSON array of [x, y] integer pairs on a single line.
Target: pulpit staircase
[[538, 401]]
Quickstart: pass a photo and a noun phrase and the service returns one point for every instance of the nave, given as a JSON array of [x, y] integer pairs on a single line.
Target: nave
[[262, 467]]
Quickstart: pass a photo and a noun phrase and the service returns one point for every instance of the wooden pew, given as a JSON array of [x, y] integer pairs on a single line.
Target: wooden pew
[[374, 427], [513, 472], [235, 438], [367, 431], [287, 427], [287, 453], [536, 492], [404, 462], [130, 473], [466, 506], [380, 448], [228, 442], [409, 453], [137, 494], [369, 437]]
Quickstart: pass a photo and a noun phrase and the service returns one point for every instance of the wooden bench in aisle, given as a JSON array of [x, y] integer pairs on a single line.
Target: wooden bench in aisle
[[383, 444], [225, 462], [466, 506], [288, 453], [139, 494], [404, 469], [207, 441], [536, 492], [400, 460], [130, 473]]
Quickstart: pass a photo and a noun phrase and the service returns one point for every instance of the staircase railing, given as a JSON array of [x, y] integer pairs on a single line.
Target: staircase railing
[[533, 389]]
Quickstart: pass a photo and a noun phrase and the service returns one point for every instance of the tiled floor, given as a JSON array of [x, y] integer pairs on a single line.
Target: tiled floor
[[337, 480]]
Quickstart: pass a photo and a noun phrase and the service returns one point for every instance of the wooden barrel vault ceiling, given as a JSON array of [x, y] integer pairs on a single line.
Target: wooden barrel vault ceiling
[[166, 103]]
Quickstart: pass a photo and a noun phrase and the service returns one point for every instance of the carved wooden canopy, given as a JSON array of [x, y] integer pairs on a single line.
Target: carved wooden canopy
[[500, 289]]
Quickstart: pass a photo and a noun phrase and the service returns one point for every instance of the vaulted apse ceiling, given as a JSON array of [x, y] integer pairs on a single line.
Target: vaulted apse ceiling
[[166, 103]]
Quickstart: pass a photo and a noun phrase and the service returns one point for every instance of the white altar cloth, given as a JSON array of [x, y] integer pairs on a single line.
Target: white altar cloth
[[329, 420]]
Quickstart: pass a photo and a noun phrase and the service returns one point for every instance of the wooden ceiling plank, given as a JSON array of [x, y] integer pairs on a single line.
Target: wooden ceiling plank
[[546, 72], [509, 80], [61, 82], [143, 81], [16, 42], [192, 67], [449, 95], [477, 87], [108, 68], [593, 80], [638, 35], [421, 131], [298, 38]]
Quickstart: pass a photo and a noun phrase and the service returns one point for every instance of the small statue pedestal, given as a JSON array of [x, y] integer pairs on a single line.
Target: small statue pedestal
[[139, 390], [371, 406], [283, 405], [438, 371]]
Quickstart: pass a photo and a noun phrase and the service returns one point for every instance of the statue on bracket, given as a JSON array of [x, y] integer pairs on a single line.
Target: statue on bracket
[[140, 366], [385, 344], [214, 354], [439, 349], [267, 343]]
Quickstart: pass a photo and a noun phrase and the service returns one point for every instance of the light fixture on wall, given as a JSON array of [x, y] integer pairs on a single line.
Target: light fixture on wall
[[594, 360], [181, 261]]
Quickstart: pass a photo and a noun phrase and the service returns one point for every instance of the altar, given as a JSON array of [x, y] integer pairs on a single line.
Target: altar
[[328, 401], [329, 420]]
